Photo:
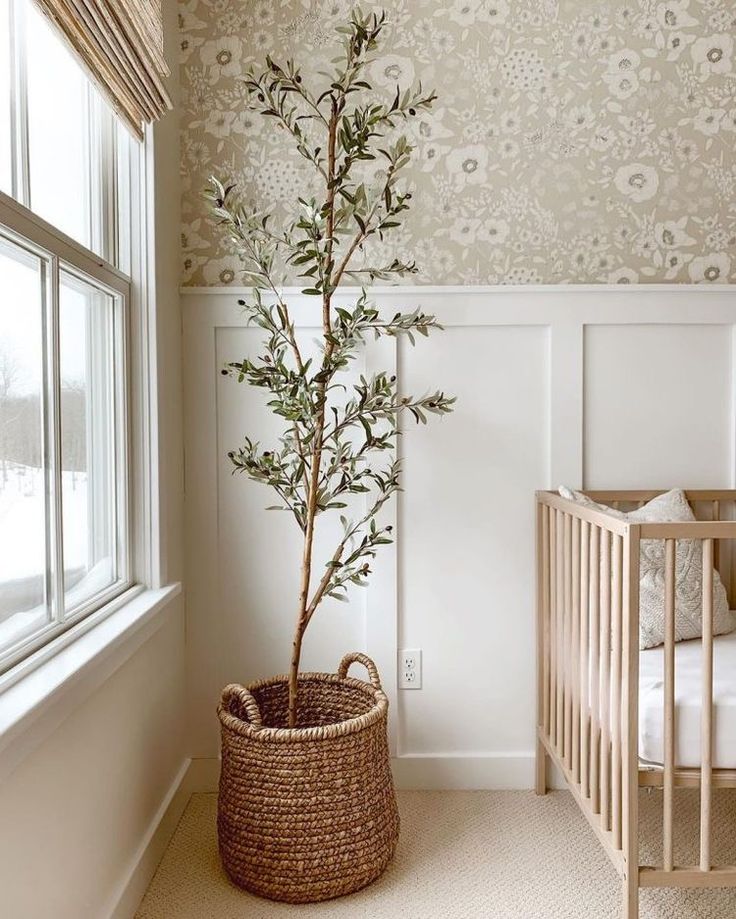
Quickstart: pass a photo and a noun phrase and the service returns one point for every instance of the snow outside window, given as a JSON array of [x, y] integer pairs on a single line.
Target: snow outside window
[[66, 244]]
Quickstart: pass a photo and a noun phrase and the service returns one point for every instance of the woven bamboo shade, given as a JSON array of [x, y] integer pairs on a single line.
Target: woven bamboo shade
[[120, 42]]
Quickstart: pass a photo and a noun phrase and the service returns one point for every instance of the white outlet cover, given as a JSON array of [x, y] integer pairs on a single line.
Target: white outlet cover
[[410, 668]]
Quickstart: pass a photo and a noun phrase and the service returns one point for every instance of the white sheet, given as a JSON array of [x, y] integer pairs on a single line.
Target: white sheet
[[688, 689]]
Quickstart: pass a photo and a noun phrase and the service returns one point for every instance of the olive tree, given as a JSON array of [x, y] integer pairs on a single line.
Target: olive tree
[[330, 447]]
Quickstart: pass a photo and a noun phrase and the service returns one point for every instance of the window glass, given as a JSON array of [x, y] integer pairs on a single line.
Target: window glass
[[63, 152], [58, 131], [6, 174], [87, 439], [23, 544], [64, 449]]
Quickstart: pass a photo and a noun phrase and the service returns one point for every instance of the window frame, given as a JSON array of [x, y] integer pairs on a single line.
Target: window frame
[[124, 236], [58, 253], [107, 239]]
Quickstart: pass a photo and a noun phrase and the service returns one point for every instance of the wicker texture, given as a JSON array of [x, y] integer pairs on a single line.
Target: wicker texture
[[309, 813]]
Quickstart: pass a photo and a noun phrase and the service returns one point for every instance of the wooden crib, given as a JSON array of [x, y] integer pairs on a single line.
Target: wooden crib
[[588, 674]]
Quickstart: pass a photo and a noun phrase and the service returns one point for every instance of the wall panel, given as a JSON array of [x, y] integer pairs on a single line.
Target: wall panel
[[666, 392], [596, 386], [464, 597]]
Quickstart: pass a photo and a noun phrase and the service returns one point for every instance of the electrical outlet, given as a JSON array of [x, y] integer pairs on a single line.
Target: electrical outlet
[[410, 668]]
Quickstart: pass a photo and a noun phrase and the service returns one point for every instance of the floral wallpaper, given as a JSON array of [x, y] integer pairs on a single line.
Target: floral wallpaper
[[571, 142]]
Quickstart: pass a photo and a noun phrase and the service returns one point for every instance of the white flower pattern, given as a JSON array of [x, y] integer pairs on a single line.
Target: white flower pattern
[[713, 269], [221, 57], [712, 55], [637, 181], [572, 140]]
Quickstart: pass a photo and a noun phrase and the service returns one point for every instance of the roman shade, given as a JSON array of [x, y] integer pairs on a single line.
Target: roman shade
[[120, 42]]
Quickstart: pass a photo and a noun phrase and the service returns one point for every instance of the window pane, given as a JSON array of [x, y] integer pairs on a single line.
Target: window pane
[[87, 437], [6, 179], [58, 131], [23, 549]]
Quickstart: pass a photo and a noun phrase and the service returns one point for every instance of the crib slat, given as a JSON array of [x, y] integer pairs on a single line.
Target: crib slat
[[567, 637], [545, 574], [669, 703], [560, 580], [605, 679], [584, 701], [706, 726], [616, 613], [575, 639], [552, 622], [717, 546], [595, 614], [630, 705]]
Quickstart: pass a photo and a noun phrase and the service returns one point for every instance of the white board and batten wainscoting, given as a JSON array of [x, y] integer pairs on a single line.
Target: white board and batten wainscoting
[[606, 387]]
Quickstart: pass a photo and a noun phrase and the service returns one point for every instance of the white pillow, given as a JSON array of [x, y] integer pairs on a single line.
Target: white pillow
[[671, 506]]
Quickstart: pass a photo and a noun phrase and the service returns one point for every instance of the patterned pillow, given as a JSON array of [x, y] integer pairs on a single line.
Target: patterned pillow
[[671, 506]]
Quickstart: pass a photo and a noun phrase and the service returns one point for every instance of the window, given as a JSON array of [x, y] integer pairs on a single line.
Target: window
[[67, 171], [6, 158]]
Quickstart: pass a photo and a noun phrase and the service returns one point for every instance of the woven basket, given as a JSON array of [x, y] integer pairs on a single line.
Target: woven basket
[[308, 813]]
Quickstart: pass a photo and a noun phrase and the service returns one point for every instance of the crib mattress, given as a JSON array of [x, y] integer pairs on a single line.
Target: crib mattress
[[688, 689]]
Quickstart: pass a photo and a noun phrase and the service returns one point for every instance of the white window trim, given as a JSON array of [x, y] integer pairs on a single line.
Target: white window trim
[[141, 417], [43, 688], [25, 223], [60, 252], [48, 685], [33, 707]]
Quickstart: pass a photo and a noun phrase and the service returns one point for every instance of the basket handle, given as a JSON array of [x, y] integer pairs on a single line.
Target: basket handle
[[245, 703], [355, 657]]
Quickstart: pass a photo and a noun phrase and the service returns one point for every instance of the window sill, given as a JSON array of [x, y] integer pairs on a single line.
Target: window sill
[[33, 705]]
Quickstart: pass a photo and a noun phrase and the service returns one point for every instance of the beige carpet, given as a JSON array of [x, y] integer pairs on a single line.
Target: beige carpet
[[491, 855]]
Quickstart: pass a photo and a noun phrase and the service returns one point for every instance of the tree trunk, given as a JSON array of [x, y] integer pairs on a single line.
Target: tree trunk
[[303, 619], [296, 651]]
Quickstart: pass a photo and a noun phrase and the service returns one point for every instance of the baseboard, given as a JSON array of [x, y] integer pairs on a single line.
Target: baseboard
[[469, 772], [464, 772], [438, 772], [127, 897]]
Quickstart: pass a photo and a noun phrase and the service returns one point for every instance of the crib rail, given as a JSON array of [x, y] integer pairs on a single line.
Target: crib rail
[[588, 674], [588, 704]]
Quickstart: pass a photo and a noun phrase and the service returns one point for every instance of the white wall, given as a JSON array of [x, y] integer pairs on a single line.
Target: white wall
[[76, 813], [625, 386]]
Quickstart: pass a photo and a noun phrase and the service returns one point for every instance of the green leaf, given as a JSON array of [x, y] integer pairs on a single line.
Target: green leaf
[[301, 391]]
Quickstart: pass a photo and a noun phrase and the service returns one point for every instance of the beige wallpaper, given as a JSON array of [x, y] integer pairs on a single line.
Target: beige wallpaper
[[571, 142]]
